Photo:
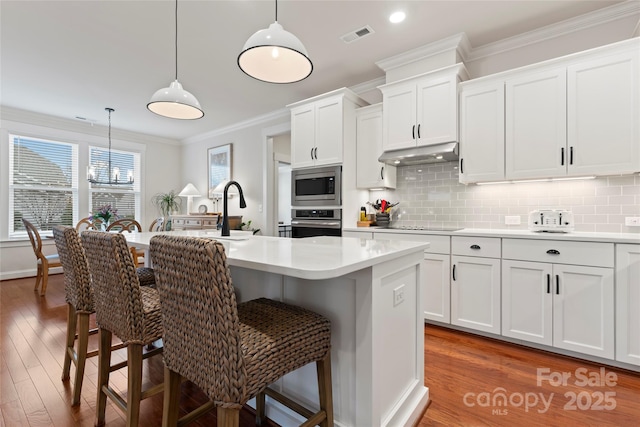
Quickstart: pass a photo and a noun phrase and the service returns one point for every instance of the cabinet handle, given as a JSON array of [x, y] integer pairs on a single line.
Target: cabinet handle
[[553, 252], [548, 283], [461, 167], [454, 272], [382, 172], [315, 153], [413, 132], [557, 284], [311, 153], [476, 247], [562, 156], [418, 131], [570, 155]]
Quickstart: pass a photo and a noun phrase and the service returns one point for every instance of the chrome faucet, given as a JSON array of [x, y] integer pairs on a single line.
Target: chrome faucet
[[225, 213]]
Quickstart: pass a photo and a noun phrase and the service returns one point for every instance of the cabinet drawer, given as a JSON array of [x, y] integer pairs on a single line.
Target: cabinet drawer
[[210, 223], [439, 244], [559, 252], [488, 247], [178, 222], [193, 222]]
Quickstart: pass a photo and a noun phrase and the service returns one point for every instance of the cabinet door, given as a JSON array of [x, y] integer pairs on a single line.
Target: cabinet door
[[527, 301], [437, 110], [628, 304], [603, 110], [302, 136], [482, 133], [583, 313], [370, 173], [328, 131], [436, 295], [475, 293], [399, 117], [536, 130]]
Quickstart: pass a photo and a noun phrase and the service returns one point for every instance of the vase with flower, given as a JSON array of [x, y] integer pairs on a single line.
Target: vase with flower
[[104, 216]]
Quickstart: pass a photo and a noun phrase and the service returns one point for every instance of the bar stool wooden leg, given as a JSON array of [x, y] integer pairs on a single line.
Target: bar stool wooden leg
[[134, 394], [260, 407], [104, 364], [228, 417], [81, 355], [325, 392], [71, 333], [171, 402]]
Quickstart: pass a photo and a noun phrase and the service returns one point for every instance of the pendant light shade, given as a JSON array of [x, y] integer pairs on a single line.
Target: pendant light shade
[[274, 55], [173, 101]]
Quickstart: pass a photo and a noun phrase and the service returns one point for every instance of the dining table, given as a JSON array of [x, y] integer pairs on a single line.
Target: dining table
[[369, 290]]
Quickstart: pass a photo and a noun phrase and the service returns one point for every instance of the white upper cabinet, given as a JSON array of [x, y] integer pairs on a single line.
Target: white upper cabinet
[[536, 125], [482, 132], [422, 110], [603, 115], [571, 116], [370, 173], [321, 126]]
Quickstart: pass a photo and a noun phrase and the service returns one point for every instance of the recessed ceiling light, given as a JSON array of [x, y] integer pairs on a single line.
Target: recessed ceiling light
[[397, 17]]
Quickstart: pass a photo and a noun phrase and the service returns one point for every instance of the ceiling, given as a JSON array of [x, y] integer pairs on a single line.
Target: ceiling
[[74, 58]]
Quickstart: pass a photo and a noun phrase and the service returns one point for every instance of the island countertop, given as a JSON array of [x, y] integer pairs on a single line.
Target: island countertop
[[313, 258]]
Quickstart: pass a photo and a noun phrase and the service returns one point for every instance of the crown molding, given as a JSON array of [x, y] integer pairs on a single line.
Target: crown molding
[[459, 42], [87, 128], [368, 86], [258, 120], [598, 17]]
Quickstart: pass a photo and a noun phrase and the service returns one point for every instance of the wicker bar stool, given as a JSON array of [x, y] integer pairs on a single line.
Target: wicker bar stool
[[79, 298], [126, 309], [231, 351]]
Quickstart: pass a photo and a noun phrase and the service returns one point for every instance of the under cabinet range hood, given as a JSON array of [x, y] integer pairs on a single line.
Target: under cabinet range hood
[[437, 153]]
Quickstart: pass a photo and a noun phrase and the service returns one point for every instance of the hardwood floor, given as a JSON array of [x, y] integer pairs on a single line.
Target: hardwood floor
[[32, 334]]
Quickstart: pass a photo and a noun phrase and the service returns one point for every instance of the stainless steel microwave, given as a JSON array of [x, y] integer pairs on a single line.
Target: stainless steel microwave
[[316, 186]]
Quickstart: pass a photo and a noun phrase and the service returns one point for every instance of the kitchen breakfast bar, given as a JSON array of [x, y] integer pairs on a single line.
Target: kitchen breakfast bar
[[369, 291]]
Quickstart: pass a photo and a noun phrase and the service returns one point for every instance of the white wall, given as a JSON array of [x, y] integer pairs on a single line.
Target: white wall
[[161, 170], [248, 167]]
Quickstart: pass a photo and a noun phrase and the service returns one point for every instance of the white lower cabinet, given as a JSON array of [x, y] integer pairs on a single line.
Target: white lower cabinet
[[475, 283], [628, 304], [435, 273], [564, 305]]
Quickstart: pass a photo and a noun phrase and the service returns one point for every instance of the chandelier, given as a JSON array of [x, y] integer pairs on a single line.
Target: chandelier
[[113, 174]]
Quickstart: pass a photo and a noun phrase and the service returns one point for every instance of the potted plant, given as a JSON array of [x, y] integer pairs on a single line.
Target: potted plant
[[167, 203]]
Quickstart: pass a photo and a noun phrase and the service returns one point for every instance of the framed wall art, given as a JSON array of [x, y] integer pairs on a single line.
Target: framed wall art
[[219, 167]]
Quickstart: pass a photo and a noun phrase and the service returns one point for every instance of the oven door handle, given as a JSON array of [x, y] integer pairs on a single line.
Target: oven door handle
[[315, 223]]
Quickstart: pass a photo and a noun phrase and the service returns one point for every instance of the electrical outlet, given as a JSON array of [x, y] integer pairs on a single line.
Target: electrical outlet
[[632, 221], [398, 295], [512, 220]]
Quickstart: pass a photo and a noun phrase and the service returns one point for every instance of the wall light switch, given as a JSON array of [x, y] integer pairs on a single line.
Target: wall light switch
[[512, 220], [632, 221]]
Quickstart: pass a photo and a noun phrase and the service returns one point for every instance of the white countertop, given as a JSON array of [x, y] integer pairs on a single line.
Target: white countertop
[[308, 258], [581, 236]]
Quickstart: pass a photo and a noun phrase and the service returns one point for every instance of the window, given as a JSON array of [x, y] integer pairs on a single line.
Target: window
[[123, 197], [43, 183]]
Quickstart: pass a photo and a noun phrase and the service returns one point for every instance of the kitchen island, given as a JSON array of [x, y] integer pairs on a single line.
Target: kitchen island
[[369, 290]]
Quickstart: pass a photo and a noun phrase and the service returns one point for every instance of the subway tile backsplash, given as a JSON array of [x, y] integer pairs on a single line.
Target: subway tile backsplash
[[431, 195]]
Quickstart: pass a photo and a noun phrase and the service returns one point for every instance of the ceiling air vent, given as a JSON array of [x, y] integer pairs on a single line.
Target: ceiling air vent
[[357, 34]]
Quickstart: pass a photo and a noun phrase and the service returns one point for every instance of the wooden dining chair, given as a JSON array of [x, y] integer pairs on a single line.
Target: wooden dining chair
[[231, 351], [130, 226], [85, 224], [126, 309], [43, 262], [157, 224]]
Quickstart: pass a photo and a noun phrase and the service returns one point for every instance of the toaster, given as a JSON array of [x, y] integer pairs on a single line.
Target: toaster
[[551, 220]]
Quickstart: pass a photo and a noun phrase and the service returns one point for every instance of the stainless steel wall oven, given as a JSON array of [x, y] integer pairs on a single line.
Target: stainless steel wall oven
[[316, 222]]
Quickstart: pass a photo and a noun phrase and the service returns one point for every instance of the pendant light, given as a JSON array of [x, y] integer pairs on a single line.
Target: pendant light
[[113, 175], [274, 55], [173, 101]]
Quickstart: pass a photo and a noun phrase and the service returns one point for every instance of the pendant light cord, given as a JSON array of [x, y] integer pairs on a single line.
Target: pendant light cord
[[176, 15], [276, 10], [109, 170]]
